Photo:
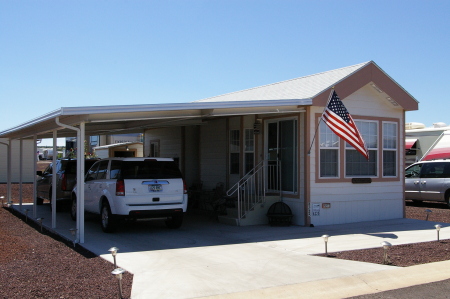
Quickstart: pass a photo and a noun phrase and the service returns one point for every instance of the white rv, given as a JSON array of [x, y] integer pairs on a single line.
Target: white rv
[[423, 144]]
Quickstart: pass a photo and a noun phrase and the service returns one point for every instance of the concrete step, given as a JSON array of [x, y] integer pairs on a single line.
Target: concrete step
[[256, 216]]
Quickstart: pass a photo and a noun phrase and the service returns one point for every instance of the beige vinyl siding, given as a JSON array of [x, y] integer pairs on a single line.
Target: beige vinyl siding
[[191, 155], [169, 141], [357, 202], [213, 150], [27, 164]]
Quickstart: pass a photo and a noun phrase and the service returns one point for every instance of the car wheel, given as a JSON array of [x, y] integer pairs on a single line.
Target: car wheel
[[175, 221], [39, 201], [73, 209], [108, 222]]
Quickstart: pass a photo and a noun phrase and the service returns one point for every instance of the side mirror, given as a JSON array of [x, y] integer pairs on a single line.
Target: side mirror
[[39, 172]]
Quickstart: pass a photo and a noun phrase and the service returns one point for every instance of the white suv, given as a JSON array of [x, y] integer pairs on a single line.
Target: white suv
[[134, 188]]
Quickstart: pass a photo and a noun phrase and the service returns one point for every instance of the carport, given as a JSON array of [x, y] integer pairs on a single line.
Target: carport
[[105, 120]]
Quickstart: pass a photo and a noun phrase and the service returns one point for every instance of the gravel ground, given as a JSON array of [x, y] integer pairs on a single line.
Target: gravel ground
[[39, 265], [408, 254], [42, 265]]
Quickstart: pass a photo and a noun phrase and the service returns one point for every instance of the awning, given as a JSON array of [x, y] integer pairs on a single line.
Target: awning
[[410, 143], [441, 150]]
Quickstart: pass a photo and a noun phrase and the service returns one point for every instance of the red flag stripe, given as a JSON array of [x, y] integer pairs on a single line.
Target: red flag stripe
[[343, 134], [339, 120], [335, 120]]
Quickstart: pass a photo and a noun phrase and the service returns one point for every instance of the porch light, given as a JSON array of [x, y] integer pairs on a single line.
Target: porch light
[[325, 239], [386, 246], [73, 232], [40, 222], [113, 251], [118, 273], [438, 228], [428, 211]]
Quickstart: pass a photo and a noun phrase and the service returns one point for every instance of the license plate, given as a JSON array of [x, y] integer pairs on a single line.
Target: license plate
[[155, 188]]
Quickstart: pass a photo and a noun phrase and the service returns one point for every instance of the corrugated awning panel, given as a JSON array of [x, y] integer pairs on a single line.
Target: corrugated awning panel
[[410, 143]]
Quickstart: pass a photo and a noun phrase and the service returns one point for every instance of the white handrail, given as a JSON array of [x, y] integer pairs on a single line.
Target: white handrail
[[235, 187], [253, 187]]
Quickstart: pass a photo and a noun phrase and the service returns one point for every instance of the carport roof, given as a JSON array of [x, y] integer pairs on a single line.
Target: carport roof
[[106, 120], [286, 96]]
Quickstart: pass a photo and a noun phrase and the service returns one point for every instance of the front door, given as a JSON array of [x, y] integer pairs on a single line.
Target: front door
[[282, 149]]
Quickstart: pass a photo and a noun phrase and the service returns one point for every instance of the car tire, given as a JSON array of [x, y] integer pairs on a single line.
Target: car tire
[[73, 209], [107, 218], [447, 198], [175, 221], [39, 201]]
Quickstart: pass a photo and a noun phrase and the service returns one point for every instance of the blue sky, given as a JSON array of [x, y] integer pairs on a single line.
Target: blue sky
[[82, 53]]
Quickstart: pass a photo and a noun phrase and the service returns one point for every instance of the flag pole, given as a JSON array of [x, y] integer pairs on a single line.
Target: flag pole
[[317, 127]]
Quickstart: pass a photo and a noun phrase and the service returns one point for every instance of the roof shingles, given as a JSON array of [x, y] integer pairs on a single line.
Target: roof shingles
[[300, 88]]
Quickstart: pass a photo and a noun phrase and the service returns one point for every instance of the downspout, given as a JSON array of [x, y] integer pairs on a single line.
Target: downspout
[[21, 173], [54, 185], [80, 177], [34, 175]]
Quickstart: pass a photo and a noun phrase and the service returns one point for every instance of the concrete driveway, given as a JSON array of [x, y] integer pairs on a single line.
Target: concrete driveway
[[208, 259]]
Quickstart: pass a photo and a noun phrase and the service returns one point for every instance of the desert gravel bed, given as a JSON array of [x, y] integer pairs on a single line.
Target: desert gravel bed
[[39, 265], [409, 254]]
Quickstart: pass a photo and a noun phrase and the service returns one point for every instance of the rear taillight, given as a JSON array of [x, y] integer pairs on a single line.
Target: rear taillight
[[185, 191], [120, 188], [63, 182]]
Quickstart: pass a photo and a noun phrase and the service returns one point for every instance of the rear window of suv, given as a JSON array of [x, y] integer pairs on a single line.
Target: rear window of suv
[[146, 169]]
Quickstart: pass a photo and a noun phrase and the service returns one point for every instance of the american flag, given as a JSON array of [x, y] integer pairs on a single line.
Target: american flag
[[341, 123]]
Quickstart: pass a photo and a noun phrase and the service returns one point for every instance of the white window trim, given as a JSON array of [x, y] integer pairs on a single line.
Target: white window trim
[[396, 149]]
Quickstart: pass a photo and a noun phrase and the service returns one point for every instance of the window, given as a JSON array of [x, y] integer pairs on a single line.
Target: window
[[389, 149], [329, 152], [115, 169], [249, 149], [413, 171], [93, 141], [92, 172], [154, 148], [355, 163], [234, 151], [381, 138], [102, 170]]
